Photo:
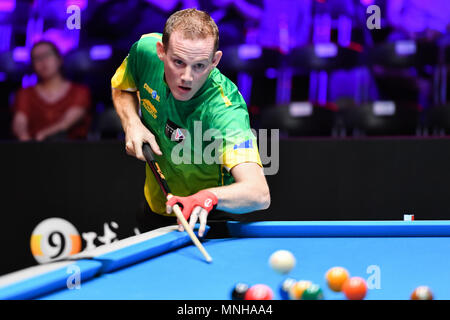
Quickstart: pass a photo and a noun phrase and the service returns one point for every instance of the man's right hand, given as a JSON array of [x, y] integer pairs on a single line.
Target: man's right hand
[[135, 136]]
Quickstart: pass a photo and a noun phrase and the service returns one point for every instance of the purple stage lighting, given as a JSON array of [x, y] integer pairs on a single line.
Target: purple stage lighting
[[271, 73], [21, 54], [249, 51], [29, 80], [82, 4], [405, 47], [100, 52], [7, 5], [5, 37], [325, 50]]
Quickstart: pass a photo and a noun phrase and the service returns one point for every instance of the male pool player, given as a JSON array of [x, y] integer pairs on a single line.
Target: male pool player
[[181, 94]]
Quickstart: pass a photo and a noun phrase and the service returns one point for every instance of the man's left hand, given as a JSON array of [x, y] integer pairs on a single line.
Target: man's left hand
[[196, 207]]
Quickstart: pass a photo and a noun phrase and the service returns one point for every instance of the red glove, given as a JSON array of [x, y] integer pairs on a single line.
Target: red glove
[[205, 199]]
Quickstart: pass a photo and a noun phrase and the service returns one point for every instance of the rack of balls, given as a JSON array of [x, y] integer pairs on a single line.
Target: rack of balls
[[338, 280]]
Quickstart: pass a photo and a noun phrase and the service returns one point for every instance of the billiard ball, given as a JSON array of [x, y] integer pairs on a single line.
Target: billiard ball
[[54, 239], [422, 293], [355, 288], [282, 261], [259, 292], [285, 287], [239, 291], [336, 277], [313, 292], [296, 291]]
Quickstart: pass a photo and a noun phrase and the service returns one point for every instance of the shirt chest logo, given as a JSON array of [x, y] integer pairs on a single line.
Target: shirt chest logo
[[153, 93], [150, 108], [174, 132]]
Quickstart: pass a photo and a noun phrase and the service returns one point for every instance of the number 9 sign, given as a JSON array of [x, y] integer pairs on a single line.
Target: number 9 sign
[[54, 239]]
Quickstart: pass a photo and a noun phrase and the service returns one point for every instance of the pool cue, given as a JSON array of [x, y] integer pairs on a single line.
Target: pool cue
[[150, 157]]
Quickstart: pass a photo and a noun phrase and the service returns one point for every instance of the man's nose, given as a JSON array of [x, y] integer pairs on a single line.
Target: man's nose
[[186, 76]]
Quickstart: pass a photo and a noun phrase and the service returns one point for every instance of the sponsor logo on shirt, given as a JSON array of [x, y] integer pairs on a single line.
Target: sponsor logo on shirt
[[174, 132], [149, 107], [244, 145], [153, 93], [179, 134]]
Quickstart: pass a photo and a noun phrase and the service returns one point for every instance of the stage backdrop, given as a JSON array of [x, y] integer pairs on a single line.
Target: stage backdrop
[[98, 189]]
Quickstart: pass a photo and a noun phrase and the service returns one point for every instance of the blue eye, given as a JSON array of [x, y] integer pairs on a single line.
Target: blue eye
[[178, 62], [199, 66]]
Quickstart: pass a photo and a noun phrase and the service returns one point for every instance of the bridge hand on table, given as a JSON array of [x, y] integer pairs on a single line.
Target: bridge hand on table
[[196, 207]]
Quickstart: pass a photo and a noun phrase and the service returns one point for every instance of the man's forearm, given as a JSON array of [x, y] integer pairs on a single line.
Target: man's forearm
[[241, 197], [127, 106]]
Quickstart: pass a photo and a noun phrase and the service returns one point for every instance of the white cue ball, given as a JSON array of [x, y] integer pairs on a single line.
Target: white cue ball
[[282, 261]]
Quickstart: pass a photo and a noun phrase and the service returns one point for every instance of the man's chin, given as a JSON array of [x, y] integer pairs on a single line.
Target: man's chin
[[183, 97]]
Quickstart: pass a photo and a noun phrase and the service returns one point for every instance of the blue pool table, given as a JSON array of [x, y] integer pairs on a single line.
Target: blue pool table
[[394, 257]]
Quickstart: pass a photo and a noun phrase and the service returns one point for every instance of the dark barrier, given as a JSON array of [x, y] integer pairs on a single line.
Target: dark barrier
[[94, 186], [361, 179], [99, 189]]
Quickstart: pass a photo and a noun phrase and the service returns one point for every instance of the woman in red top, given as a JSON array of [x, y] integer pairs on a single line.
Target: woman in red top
[[55, 107]]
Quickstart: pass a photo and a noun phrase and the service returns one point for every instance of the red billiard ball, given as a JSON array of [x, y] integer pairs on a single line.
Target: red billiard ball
[[355, 288], [259, 292], [422, 293]]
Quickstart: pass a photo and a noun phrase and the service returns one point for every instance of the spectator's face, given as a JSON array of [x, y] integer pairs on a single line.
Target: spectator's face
[[187, 64], [46, 63]]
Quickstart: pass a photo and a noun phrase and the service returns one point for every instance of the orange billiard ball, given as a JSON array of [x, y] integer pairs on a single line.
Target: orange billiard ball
[[336, 277], [297, 289], [422, 293], [355, 288]]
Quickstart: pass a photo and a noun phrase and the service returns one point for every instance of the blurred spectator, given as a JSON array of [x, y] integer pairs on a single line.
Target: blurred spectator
[[418, 19], [344, 22], [154, 13], [123, 22], [55, 108], [236, 18], [421, 21], [285, 24], [170, 6]]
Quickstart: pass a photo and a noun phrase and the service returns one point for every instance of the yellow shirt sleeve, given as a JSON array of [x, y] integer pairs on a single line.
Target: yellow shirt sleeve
[[234, 156], [123, 78]]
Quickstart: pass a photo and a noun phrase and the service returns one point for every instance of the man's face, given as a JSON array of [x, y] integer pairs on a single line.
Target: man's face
[[187, 64]]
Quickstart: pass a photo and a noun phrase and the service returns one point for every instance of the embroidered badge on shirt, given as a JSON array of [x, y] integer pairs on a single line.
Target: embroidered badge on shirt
[[174, 132]]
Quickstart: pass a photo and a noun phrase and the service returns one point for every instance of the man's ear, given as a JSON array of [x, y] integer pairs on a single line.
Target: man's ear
[[160, 50], [216, 58]]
